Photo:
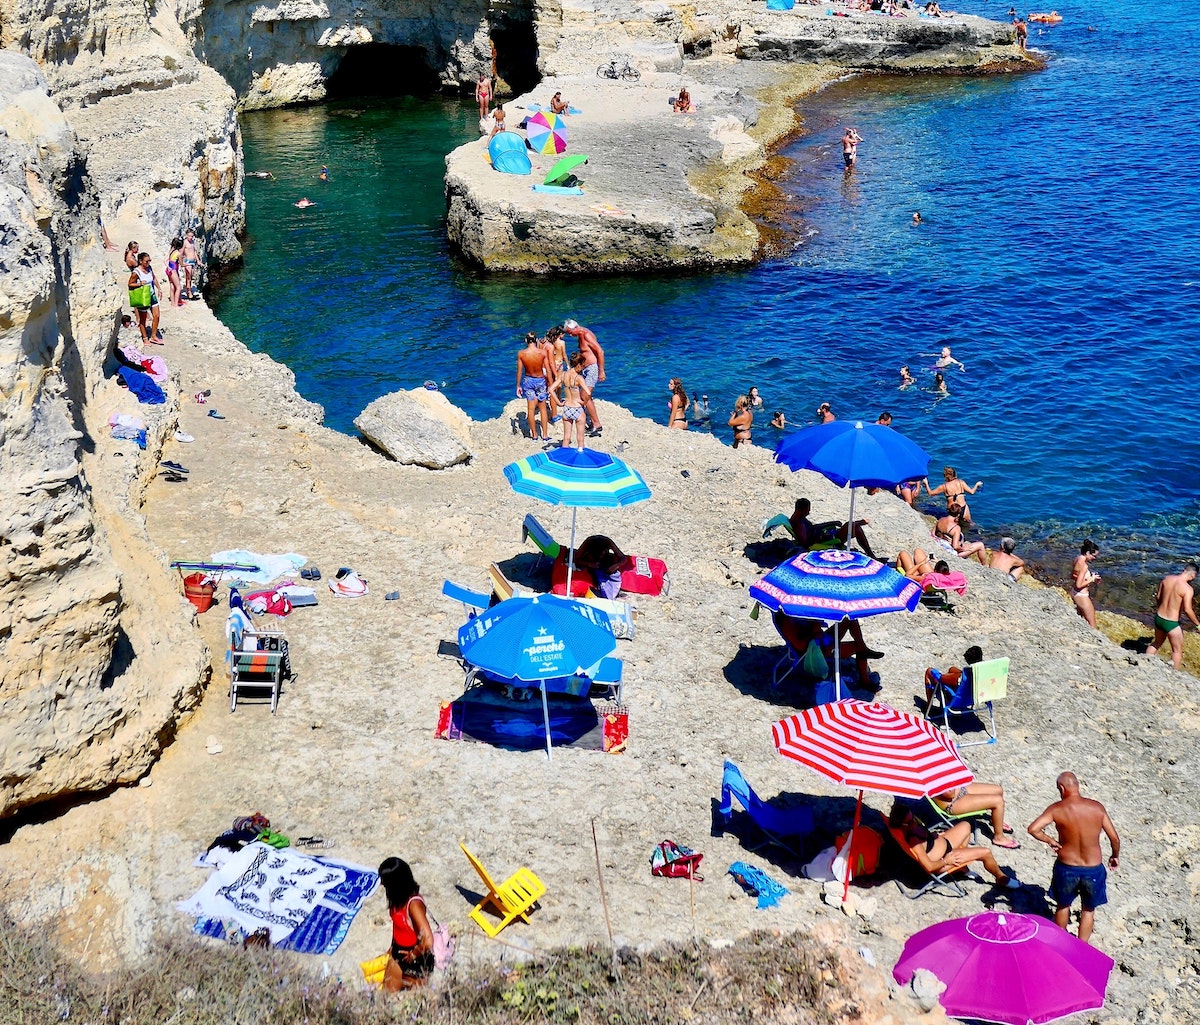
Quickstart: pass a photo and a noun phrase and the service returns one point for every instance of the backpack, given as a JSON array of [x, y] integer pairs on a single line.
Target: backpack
[[675, 862]]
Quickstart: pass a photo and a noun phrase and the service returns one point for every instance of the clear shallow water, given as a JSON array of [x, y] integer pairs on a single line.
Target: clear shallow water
[[1060, 257]]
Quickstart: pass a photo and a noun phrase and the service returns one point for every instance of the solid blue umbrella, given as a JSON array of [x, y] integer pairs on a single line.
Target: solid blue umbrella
[[855, 454], [577, 478], [834, 585], [535, 639]]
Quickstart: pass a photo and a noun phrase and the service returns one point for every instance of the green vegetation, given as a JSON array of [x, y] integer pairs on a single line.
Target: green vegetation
[[761, 978]]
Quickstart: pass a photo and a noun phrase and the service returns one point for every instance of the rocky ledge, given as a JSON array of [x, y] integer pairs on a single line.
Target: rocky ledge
[[663, 190]]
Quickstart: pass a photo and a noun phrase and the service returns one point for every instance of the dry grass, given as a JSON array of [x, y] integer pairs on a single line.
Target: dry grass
[[763, 978]]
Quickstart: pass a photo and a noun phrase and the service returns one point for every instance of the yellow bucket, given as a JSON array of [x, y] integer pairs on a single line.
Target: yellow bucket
[[373, 970]]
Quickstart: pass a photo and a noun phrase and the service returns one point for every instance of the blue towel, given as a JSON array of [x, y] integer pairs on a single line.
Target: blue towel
[[757, 883], [143, 386], [561, 190]]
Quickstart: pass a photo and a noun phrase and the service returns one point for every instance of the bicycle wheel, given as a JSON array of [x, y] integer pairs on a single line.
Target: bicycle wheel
[[630, 73], [607, 70]]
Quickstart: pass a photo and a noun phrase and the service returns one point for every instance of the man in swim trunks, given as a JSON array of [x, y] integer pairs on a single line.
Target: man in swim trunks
[[1174, 599], [531, 385], [191, 264], [1022, 31], [592, 370], [1005, 561], [1079, 870], [850, 143]]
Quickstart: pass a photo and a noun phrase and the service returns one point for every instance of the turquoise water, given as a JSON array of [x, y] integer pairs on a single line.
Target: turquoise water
[[1058, 258]]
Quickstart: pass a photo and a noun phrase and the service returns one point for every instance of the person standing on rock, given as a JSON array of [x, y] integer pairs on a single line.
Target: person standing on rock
[[592, 371], [1022, 31], [483, 95], [1174, 600], [144, 275], [1082, 579], [191, 265], [531, 386], [575, 396], [1079, 869], [850, 143]]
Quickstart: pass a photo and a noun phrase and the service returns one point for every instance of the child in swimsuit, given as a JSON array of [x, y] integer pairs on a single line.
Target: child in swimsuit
[[173, 271]]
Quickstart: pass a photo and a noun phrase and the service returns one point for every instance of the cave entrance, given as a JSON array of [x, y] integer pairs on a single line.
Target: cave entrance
[[380, 69], [516, 53]]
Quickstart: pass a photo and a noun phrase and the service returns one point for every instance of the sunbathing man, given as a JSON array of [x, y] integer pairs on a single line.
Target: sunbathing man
[[1079, 869], [1174, 600], [1005, 561], [949, 529], [811, 536], [944, 852]]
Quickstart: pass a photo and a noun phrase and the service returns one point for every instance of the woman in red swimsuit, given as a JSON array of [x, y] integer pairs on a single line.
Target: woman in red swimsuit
[[411, 958]]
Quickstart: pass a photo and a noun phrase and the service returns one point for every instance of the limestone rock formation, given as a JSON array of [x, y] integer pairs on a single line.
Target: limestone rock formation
[[79, 711], [418, 428]]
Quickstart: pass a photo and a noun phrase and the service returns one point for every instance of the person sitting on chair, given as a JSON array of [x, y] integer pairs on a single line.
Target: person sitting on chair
[[944, 852], [600, 556], [830, 534], [797, 633], [977, 796]]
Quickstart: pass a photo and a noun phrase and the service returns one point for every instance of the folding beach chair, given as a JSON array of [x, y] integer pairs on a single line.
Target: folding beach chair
[[621, 614], [779, 521], [512, 899], [980, 686], [774, 823], [937, 882], [473, 602], [936, 819], [546, 545], [258, 658]]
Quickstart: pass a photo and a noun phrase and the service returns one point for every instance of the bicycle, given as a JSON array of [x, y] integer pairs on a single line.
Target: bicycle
[[625, 71]]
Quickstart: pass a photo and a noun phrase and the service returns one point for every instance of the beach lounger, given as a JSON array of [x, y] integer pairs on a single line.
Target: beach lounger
[[775, 824], [980, 686], [512, 899], [937, 882], [473, 602], [778, 522], [531, 529], [936, 819]]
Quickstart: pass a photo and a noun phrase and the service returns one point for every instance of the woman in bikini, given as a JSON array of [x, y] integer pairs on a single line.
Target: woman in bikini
[[977, 796], [742, 421], [944, 852], [173, 271], [678, 405], [1082, 579], [955, 489], [131, 255], [916, 566]]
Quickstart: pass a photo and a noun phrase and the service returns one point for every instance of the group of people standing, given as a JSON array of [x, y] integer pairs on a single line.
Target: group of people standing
[[183, 268], [556, 387]]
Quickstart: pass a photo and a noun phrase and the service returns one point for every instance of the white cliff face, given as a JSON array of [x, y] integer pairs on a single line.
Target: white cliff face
[[79, 712]]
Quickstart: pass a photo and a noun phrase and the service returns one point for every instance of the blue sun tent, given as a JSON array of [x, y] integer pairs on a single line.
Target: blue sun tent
[[780, 5], [508, 154]]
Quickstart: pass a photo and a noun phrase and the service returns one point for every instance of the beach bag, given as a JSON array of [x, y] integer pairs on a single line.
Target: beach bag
[[675, 862], [863, 853], [643, 575], [443, 946], [815, 664], [139, 298]]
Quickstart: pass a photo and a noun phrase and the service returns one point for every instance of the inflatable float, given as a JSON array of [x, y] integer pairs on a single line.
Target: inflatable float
[[1053, 18]]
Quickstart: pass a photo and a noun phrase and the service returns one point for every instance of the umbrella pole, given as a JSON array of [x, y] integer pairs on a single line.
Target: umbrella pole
[[546, 719], [571, 554], [850, 525], [837, 664], [850, 845]]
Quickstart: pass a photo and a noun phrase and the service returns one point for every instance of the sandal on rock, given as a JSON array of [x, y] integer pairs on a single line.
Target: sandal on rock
[[1008, 845], [1007, 828]]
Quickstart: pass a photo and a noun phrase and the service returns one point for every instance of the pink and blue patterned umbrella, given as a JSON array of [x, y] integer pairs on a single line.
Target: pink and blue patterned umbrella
[[546, 132], [1008, 968]]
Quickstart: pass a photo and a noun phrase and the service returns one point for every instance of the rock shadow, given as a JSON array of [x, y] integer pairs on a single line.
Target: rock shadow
[[769, 554], [530, 570], [788, 852], [752, 669]]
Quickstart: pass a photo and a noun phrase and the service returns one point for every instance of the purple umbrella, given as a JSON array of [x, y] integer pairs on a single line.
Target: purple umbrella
[[1009, 968]]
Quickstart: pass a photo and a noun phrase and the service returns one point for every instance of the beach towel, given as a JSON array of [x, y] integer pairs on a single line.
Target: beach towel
[[269, 566], [758, 884], [533, 108], [261, 887], [560, 190], [142, 385], [956, 582]]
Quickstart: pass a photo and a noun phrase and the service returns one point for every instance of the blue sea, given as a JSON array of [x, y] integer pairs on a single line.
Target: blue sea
[[1059, 257]]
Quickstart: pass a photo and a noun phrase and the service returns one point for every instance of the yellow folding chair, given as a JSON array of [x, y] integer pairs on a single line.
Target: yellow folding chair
[[511, 900]]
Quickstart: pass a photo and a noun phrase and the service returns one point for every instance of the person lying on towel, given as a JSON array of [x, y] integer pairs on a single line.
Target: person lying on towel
[[603, 559]]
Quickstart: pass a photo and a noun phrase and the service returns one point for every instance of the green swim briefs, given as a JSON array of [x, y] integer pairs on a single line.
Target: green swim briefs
[[1165, 625]]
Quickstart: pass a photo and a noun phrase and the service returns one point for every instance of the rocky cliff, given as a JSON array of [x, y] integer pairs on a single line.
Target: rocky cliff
[[97, 657]]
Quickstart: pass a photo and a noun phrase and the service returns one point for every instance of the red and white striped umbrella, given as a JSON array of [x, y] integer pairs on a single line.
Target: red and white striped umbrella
[[871, 746]]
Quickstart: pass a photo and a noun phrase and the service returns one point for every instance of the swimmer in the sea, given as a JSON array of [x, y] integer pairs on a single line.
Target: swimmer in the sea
[[939, 384], [946, 360], [304, 203], [906, 377], [324, 175], [916, 217], [260, 174]]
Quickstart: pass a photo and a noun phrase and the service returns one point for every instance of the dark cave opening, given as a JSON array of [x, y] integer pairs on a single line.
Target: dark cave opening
[[380, 69], [516, 49]]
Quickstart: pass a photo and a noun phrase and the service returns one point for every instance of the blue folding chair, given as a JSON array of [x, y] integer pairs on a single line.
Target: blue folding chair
[[473, 602], [979, 687], [774, 823]]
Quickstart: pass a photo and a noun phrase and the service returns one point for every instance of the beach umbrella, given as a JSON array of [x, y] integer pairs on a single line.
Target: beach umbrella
[[855, 454], [546, 132], [564, 167], [1010, 968], [535, 639], [577, 478], [872, 746], [833, 585]]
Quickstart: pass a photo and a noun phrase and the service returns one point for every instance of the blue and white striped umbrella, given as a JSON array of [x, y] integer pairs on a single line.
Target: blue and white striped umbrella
[[535, 639], [577, 478], [834, 585]]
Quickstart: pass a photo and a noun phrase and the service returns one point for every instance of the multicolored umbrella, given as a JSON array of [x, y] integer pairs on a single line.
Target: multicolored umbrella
[[833, 585], [1010, 968], [535, 639], [577, 478], [854, 454], [546, 132], [872, 746]]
